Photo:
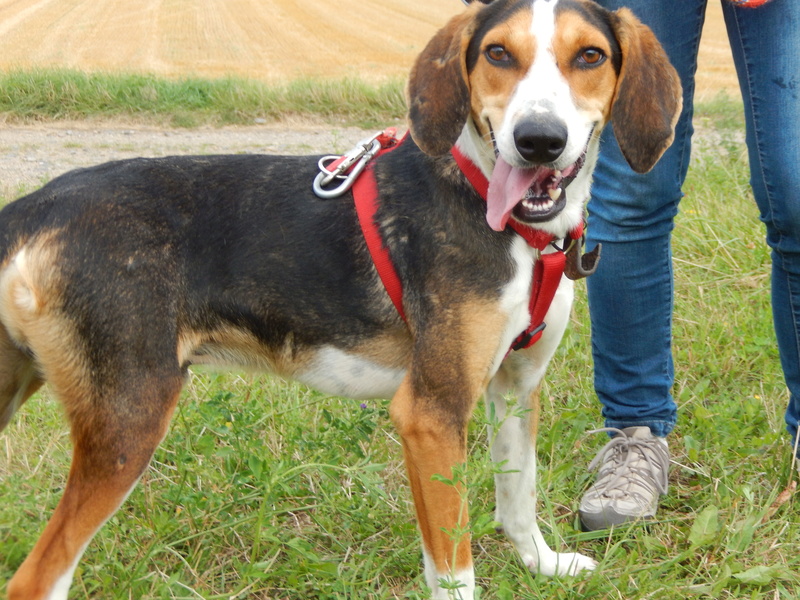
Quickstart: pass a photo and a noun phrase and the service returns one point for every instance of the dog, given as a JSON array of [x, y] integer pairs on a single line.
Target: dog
[[115, 279]]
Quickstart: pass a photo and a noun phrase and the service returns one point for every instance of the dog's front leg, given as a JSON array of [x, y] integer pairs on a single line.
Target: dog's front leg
[[513, 445], [514, 452], [434, 444]]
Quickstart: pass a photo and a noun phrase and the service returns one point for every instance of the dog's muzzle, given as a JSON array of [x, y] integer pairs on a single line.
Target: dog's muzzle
[[532, 195]]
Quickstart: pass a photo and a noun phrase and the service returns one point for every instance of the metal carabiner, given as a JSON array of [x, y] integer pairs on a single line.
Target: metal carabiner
[[348, 167]]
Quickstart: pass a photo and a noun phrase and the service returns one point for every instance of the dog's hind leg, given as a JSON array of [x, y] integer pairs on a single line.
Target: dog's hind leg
[[110, 356], [113, 442]]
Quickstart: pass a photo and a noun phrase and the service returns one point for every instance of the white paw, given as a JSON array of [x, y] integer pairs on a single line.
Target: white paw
[[556, 564]]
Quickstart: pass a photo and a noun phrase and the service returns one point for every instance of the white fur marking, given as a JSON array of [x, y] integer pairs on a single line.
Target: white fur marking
[[542, 91], [61, 588], [515, 299], [463, 582], [24, 296], [341, 374], [515, 449]]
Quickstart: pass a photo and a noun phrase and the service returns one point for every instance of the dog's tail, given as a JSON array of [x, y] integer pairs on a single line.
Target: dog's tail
[[25, 272]]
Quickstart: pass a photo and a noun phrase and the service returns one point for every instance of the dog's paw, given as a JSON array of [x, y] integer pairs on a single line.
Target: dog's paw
[[557, 564]]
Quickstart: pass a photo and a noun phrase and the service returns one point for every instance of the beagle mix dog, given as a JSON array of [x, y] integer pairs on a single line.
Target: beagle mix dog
[[115, 279]]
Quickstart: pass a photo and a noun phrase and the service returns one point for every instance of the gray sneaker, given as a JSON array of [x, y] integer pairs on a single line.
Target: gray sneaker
[[632, 474]]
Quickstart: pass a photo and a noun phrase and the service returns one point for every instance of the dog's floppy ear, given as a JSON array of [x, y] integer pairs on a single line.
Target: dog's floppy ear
[[438, 88], [648, 98]]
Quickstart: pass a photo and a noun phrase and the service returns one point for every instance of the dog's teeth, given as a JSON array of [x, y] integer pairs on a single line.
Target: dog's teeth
[[557, 174], [554, 193], [538, 205]]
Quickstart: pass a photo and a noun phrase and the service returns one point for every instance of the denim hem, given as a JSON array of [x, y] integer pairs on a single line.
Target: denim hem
[[657, 428]]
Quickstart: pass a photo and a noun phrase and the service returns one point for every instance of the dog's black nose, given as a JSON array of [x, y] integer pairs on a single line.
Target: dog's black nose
[[540, 141]]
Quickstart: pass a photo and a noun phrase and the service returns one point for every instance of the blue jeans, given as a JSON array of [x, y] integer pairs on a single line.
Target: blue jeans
[[630, 295]]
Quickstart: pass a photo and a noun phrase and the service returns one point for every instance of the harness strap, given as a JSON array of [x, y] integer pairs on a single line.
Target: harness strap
[[547, 270], [365, 195]]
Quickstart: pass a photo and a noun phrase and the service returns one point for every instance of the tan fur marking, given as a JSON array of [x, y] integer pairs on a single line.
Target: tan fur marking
[[231, 346], [391, 349], [491, 86], [592, 88], [481, 328], [30, 308], [432, 448], [38, 258]]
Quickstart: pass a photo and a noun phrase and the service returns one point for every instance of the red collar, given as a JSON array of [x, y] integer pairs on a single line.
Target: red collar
[[536, 238], [547, 270]]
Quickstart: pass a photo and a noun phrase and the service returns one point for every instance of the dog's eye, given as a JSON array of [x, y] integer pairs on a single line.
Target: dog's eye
[[497, 54], [591, 57]]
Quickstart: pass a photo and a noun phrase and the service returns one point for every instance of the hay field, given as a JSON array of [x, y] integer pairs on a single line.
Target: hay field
[[272, 40], [265, 39]]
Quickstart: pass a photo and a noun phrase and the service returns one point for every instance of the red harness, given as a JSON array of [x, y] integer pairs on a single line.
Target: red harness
[[547, 270]]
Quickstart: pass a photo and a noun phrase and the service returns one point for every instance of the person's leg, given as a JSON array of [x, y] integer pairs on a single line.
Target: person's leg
[[630, 295], [766, 48]]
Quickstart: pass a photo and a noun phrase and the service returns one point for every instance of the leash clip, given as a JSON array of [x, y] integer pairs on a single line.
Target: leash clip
[[345, 168], [581, 264]]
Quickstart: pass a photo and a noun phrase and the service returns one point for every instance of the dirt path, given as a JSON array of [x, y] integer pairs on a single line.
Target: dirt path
[[30, 156]]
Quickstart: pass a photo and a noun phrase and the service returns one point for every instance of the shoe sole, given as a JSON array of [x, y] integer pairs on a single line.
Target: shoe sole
[[606, 521]]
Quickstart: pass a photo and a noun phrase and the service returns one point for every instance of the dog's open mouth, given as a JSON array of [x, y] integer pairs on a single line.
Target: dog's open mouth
[[534, 195]]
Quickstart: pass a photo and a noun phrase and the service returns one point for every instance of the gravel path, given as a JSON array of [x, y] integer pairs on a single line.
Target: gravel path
[[30, 156]]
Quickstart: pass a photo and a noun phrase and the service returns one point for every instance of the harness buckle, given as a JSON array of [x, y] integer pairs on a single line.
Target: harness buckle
[[345, 168], [525, 339]]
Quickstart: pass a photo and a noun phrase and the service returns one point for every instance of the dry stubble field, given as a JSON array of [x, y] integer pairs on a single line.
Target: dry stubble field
[[264, 39]]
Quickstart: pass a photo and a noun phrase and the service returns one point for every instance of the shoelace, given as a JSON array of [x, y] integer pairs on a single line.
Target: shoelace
[[653, 452]]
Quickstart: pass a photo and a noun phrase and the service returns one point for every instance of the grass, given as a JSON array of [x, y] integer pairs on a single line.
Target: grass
[[71, 95], [265, 489]]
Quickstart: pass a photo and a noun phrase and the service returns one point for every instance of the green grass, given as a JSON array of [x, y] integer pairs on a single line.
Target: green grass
[[69, 95], [265, 489]]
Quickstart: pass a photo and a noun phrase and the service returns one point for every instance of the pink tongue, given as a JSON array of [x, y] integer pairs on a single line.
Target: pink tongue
[[507, 188]]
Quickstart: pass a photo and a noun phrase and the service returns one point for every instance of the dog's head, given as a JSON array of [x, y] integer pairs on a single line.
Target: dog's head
[[524, 87]]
